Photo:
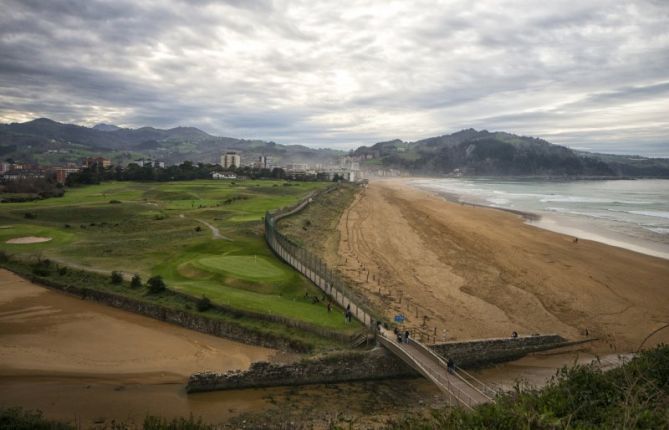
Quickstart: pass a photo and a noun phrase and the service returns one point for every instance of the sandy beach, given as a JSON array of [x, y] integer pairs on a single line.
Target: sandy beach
[[457, 272]]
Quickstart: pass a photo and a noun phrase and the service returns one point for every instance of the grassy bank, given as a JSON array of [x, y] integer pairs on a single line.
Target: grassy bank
[[259, 328], [203, 237], [634, 396], [315, 227]]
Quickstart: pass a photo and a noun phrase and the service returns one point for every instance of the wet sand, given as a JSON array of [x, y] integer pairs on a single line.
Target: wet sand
[[73, 358], [473, 272]]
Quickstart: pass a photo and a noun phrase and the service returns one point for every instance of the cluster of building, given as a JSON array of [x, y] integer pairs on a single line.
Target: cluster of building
[[347, 169]]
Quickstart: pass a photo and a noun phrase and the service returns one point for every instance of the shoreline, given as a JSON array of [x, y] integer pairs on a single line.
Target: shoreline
[[563, 224]]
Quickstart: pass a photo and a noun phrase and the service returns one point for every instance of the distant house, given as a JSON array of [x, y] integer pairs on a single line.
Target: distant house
[[100, 161], [63, 172], [18, 175], [217, 175], [147, 162]]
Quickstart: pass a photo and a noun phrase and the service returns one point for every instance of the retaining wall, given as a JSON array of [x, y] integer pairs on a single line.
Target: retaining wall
[[378, 363], [336, 367], [476, 353]]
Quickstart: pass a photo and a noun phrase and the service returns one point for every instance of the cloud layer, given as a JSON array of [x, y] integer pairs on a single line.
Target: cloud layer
[[592, 75]]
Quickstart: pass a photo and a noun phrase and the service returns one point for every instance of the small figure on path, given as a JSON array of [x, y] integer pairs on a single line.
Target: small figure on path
[[406, 336], [450, 365], [514, 335]]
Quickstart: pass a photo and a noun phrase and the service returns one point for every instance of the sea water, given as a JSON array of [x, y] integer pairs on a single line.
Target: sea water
[[633, 214]]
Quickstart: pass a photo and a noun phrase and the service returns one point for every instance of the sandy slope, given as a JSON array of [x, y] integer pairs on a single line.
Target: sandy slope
[[476, 272]]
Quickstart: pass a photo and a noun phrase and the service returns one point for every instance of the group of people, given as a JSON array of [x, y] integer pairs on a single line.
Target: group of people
[[315, 300], [401, 337]]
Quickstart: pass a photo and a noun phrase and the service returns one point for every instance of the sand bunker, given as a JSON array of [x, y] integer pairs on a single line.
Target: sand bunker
[[28, 239]]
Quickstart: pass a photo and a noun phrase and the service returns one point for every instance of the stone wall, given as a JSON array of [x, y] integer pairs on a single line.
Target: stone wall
[[478, 353], [370, 365], [335, 367]]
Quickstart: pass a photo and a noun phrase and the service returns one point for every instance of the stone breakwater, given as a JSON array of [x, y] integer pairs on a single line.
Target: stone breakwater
[[370, 365], [335, 367]]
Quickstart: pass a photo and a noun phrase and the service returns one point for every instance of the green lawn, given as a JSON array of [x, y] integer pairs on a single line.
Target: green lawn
[[155, 229]]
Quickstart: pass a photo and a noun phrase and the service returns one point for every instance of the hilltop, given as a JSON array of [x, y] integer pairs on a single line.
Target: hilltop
[[49, 142], [483, 153]]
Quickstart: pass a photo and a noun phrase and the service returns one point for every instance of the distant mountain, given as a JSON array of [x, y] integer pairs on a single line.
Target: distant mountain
[[482, 153], [50, 142], [106, 127]]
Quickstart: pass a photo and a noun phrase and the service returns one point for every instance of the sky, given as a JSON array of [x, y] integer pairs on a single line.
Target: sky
[[591, 75]]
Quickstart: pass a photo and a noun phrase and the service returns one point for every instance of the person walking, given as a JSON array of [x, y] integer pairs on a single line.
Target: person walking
[[406, 336]]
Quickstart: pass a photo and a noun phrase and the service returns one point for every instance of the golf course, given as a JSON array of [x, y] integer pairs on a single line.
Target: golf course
[[203, 237]]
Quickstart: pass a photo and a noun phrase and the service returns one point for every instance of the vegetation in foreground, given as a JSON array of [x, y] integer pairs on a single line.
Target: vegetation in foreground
[[203, 238], [634, 396]]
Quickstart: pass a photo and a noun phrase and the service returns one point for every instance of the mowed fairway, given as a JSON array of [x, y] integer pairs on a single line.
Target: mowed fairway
[[165, 229]]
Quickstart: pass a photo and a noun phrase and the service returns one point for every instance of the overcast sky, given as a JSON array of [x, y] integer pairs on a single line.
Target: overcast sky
[[588, 74]]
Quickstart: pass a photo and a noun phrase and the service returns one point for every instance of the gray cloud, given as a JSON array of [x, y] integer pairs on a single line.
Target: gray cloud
[[584, 74]]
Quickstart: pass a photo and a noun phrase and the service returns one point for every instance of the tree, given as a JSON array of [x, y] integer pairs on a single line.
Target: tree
[[136, 281], [156, 284], [116, 277]]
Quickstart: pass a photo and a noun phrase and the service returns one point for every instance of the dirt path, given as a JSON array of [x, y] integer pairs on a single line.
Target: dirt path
[[215, 232], [459, 272]]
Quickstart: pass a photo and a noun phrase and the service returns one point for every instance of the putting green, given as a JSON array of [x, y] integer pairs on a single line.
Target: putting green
[[250, 267]]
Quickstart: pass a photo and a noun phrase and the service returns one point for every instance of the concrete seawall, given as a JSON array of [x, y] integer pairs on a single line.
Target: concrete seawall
[[370, 365]]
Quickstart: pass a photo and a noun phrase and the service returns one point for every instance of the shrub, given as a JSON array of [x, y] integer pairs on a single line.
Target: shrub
[[156, 284], [114, 202], [29, 215], [62, 270], [198, 228], [203, 304], [3, 257], [136, 281], [40, 271], [116, 277], [18, 419]]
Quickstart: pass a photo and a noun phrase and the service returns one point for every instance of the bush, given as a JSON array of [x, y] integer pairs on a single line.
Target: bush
[[136, 281], [203, 304], [18, 419], [156, 285], [114, 202], [62, 270], [29, 215], [116, 277], [198, 228], [40, 271]]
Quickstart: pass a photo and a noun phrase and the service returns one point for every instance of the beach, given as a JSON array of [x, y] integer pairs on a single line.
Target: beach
[[458, 271]]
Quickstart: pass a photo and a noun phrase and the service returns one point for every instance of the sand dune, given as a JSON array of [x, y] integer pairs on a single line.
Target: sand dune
[[467, 272]]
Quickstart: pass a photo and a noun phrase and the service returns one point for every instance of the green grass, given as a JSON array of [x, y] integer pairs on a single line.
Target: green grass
[[155, 231], [247, 267]]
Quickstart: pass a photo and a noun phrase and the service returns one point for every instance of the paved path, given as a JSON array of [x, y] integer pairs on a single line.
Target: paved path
[[459, 386]]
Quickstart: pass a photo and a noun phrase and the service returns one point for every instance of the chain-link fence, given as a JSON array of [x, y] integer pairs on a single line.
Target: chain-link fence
[[313, 267]]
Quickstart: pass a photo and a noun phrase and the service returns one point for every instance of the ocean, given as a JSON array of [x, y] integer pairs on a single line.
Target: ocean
[[632, 214]]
